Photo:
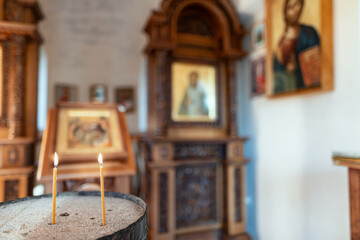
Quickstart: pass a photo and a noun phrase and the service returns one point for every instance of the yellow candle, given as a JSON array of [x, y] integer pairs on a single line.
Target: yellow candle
[[102, 188], [56, 162]]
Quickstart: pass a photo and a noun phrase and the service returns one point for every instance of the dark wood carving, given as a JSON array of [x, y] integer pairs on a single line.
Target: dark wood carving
[[22, 11], [238, 195], [14, 11], [5, 74], [232, 98], [188, 151], [237, 151], [196, 195], [162, 102], [163, 203], [194, 24], [11, 189], [16, 87], [16, 155], [13, 155], [164, 152]]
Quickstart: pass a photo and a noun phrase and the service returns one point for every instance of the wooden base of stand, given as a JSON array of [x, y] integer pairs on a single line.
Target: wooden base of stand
[[14, 183], [353, 165]]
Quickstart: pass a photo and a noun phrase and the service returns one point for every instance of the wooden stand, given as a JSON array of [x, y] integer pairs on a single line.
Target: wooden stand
[[353, 164], [15, 182], [19, 47], [79, 171]]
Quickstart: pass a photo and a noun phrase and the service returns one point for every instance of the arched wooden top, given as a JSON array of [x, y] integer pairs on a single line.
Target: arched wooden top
[[216, 12], [225, 5], [162, 26]]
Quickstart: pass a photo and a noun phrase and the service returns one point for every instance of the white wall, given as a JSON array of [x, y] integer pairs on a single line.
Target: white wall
[[299, 194], [92, 41]]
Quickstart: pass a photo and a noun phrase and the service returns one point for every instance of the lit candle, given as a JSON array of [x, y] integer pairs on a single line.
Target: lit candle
[[56, 162], [100, 159]]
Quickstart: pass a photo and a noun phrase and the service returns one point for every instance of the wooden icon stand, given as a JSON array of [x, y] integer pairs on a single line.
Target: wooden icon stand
[[78, 167]]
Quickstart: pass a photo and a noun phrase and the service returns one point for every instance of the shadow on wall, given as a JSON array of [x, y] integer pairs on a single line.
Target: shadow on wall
[[246, 127]]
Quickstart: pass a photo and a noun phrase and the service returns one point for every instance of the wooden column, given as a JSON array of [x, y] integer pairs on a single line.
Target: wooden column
[[16, 86], [20, 42], [31, 88], [233, 131], [161, 103], [354, 192], [235, 191]]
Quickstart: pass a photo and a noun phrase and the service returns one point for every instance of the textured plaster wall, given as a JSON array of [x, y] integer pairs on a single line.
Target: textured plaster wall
[[93, 41]]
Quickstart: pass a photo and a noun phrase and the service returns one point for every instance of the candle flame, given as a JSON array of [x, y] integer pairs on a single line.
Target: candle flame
[[100, 159], [56, 160]]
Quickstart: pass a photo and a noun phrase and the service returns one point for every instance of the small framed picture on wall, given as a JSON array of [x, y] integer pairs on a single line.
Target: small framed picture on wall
[[98, 93], [258, 76], [66, 93], [124, 97], [258, 35]]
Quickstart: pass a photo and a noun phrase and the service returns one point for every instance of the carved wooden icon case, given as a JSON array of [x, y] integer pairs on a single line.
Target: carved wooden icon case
[[194, 157]]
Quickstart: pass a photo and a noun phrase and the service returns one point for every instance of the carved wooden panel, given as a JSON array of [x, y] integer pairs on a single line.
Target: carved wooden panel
[[183, 151], [238, 195], [232, 98], [161, 98], [196, 195], [5, 72], [13, 155], [162, 152], [16, 88], [163, 202], [194, 24], [14, 11], [163, 33], [11, 189], [21, 11], [235, 151]]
